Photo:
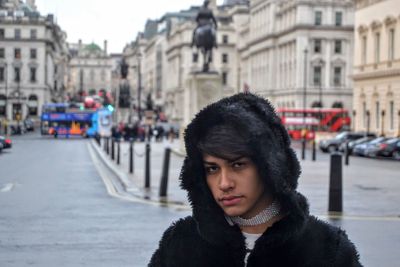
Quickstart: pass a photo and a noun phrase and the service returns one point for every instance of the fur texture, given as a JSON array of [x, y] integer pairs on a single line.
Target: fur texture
[[206, 239]]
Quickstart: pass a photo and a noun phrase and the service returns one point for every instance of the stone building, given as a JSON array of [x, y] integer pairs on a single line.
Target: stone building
[[377, 67], [33, 60], [294, 50], [90, 69]]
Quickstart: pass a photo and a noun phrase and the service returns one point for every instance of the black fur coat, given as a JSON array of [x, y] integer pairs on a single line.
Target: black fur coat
[[207, 239]]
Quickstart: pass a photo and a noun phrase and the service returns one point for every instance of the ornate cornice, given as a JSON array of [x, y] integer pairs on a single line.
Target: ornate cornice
[[377, 74]]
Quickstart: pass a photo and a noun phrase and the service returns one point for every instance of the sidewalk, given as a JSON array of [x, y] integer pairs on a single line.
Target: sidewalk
[[370, 187]]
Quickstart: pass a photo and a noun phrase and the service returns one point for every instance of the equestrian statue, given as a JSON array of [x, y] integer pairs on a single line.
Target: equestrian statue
[[204, 36]]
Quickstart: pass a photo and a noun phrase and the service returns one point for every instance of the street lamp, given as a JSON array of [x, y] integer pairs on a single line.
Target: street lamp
[[368, 121], [6, 89], [303, 147], [354, 120], [139, 59]]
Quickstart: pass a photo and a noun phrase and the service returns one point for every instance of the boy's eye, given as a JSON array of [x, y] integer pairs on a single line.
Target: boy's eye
[[239, 164], [211, 169]]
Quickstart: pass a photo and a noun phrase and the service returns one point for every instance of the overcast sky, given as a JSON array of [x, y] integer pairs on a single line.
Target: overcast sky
[[118, 21]]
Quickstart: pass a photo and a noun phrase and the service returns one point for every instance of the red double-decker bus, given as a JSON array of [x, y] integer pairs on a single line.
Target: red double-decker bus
[[308, 121]]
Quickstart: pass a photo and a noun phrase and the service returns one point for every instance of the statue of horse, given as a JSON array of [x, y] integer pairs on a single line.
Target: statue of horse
[[204, 36], [204, 39]]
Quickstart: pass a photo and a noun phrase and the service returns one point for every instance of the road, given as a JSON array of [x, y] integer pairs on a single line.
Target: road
[[55, 210]]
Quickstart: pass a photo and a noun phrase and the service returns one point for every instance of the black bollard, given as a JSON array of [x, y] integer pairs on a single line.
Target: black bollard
[[118, 152], [147, 167], [314, 154], [303, 148], [131, 156], [347, 154], [108, 145], [165, 171], [335, 183], [112, 148]]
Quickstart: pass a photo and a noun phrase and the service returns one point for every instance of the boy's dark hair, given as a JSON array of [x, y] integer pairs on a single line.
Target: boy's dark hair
[[226, 142]]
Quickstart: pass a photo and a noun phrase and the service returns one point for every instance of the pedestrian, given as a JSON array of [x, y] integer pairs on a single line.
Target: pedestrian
[[241, 177]]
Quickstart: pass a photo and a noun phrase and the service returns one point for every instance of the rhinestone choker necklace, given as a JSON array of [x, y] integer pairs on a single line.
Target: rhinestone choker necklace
[[264, 216]]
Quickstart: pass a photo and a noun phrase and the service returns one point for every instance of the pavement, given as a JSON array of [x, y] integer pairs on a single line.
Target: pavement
[[370, 186]]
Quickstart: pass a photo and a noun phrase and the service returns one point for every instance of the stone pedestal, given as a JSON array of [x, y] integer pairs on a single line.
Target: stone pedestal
[[201, 89]]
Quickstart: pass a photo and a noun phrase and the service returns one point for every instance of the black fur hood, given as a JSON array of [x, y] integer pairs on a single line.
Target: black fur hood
[[275, 160]]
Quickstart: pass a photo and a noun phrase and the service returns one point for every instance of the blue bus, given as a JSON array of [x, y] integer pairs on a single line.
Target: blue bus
[[60, 119]]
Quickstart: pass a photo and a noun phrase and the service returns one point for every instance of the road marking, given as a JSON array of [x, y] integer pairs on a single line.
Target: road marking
[[359, 218], [7, 187], [112, 191]]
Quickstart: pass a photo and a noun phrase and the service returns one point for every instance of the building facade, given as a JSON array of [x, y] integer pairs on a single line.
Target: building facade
[[377, 67], [90, 69], [299, 53], [33, 61]]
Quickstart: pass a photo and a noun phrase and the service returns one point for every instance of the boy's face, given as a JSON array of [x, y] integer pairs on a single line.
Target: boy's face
[[236, 185]]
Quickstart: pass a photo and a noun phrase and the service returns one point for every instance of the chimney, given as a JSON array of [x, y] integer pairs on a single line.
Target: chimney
[[105, 47]]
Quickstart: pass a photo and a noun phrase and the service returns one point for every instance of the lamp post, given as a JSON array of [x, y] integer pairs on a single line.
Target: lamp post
[[139, 92], [354, 120], [304, 106], [6, 81]]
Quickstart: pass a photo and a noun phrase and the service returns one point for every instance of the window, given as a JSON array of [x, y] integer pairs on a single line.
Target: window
[[338, 46], [2, 53], [17, 33], [317, 75], [17, 53], [33, 33], [391, 44], [2, 34], [317, 46], [17, 74], [225, 39], [195, 57], [377, 115], [377, 47], [224, 58], [364, 50], [33, 53], [318, 18], [2, 72], [224, 78], [391, 109], [338, 18], [337, 76], [33, 75]]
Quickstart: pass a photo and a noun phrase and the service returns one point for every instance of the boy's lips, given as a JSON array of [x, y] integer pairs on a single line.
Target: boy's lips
[[230, 200]]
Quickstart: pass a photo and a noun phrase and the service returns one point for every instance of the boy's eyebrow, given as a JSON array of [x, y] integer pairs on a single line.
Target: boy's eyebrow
[[229, 161]]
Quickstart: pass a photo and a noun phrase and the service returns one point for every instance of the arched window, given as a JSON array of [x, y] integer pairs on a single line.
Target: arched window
[[33, 105]]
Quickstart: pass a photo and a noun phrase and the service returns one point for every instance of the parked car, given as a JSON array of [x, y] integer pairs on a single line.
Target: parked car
[[352, 144], [6, 142], [368, 147], [389, 148], [333, 144]]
